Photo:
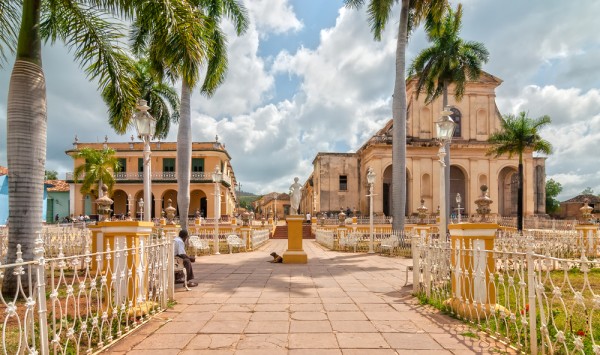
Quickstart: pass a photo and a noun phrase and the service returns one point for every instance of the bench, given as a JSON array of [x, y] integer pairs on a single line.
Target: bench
[[390, 244], [349, 240], [233, 241], [199, 244], [179, 269]]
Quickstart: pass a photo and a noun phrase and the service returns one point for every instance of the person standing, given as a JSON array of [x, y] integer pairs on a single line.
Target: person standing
[[179, 250]]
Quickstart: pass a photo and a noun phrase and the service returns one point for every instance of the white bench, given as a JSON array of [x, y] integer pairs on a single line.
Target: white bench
[[180, 269], [349, 240], [390, 244], [199, 244], [233, 241]]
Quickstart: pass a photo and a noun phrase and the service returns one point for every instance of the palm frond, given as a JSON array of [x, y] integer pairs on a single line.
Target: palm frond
[[378, 14], [9, 23]]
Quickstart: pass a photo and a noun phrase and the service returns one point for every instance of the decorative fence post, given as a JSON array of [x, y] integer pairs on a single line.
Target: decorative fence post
[[531, 299], [41, 293], [416, 254]]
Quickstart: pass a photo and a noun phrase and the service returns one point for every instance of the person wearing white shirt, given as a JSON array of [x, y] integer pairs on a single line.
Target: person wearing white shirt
[[179, 250]]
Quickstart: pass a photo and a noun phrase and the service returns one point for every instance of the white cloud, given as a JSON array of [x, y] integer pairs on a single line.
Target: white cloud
[[276, 16]]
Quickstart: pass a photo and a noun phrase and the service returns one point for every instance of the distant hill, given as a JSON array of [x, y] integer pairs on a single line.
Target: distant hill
[[244, 194]]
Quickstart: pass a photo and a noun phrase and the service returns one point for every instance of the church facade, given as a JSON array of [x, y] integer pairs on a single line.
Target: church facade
[[338, 180]]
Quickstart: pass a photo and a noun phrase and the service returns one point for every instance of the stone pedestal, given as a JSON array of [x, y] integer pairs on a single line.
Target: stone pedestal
[[294, 253], [472, 289], [116, 266], [588, 239]]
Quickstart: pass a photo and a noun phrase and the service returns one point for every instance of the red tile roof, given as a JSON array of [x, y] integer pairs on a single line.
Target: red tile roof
[[59, 186]]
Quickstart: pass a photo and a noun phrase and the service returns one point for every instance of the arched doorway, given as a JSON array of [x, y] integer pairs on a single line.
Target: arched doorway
[[458, 185], [198, 203], [508, 184], [120, 206], [387, 192]]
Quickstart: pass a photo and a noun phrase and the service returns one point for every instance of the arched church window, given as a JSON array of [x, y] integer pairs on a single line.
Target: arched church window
[[456, 117]]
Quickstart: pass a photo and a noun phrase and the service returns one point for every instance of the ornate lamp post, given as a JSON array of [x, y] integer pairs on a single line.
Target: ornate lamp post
[[275, 209], [217, 176], [458, 209], [145, 125], [445, 130], [371, 182]]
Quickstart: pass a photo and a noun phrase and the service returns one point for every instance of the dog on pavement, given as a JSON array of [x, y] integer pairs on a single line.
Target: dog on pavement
[[276, 258]]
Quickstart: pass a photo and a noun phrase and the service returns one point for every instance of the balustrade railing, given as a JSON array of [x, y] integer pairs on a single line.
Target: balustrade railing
[[82, 303], [158, 176], [259, 237], [384, 240], [535, 300]]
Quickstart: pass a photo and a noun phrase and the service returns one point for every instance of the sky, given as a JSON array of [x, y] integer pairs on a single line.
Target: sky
[[308, 77]]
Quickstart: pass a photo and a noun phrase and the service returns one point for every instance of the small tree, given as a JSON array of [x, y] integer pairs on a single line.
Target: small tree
[[553, 188], [99, 168], [588, 191], [517, 135], [51, 175]]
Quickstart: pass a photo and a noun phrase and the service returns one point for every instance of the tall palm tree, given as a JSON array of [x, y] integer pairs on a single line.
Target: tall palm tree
[[449, 60], [179, 63], [517, 135], [158, 93], [88, 30], [99, 168], [379, 14]]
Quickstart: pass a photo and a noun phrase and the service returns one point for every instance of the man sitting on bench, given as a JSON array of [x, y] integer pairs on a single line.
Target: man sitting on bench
[[179, 250]]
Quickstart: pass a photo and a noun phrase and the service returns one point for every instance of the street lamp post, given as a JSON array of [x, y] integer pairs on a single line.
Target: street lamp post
[[217, 175], [275, 209], [371, 182], [445, 130], [458, 209], [145, 125]]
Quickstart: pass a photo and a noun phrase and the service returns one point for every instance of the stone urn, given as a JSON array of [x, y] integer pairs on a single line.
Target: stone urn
[[170, 211], [104, 204], [586, 213], [422, 212], [483, 204], [246, 219], [342, 218]]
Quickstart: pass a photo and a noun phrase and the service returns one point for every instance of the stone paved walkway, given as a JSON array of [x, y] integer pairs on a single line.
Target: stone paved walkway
[[338, 303]]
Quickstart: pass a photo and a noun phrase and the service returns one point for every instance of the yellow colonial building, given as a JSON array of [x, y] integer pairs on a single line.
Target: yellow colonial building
[[129, 188], [338, 180]]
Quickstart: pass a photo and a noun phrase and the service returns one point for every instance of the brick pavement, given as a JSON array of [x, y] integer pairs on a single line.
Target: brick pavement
[[338, 303]]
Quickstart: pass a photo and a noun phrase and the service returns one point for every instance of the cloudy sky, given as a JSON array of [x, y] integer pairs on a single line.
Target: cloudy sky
[[308, 77]]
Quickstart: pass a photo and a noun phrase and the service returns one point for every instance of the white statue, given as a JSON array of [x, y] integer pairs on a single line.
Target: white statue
[[295, 196]]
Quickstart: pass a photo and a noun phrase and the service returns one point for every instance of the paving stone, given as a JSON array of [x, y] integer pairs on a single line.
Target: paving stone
[[271, 326], [361, 341], [233, 326], [213, 341], [270, 316], [308, 316], [411, 341], [346, 316], [164, 341], [313, 341], [263, 341], [353, 326], [310, 326]]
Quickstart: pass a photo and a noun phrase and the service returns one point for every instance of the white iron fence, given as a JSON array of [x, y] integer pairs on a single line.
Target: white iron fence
[[522, 291], [259, 237], [80, 304], [348, 239]]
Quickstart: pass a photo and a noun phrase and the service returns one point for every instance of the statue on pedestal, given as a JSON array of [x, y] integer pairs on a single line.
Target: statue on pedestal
[[295, 197]]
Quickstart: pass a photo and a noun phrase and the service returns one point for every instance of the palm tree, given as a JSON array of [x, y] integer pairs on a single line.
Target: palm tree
[[517, 135], [178, 62], [450, 60], [99, 168], [379, 13], [160, 96], [88, 30]]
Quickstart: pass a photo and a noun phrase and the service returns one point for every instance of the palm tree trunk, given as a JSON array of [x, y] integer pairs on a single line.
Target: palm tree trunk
[[520, 195], [26, 143], [399, 132], [184, 156]]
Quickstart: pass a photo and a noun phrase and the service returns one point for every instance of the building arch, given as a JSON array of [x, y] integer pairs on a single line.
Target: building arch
[[198, 202], [457, 118], [387, 191], [508, 183], [120, 204], [458, 185]]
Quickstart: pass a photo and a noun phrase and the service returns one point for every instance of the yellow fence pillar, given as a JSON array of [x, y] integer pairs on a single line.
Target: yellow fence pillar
[[472, 266], [295, 254], [121, 269], [588, 237]]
